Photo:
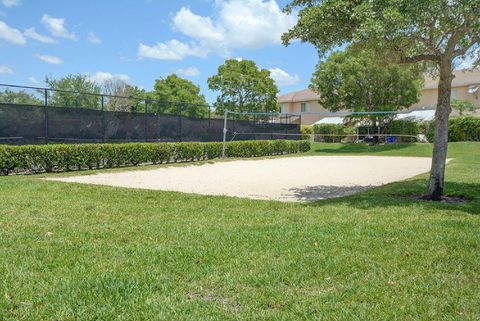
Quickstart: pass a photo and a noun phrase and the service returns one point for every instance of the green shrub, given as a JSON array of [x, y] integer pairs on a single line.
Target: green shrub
[[49, 158], [8, 159], [403, 127], [332, 133], [465, 128], [306, 131]]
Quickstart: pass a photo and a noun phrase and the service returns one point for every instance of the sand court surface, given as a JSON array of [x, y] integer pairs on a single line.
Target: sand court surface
[[303, 178]]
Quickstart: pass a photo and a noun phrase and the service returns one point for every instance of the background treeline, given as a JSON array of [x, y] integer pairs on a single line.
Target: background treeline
[[241, 85]]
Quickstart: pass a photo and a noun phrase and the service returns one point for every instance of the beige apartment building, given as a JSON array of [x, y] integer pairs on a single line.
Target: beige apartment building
[[465, 85]]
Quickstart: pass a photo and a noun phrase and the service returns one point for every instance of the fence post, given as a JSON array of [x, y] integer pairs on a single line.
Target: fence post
[[103, 121], [180, 122], [145, 120], [224, 144], [45, 113], [209, 125]]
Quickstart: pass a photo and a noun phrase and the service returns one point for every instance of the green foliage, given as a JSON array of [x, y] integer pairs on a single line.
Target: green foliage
[[306, 131], [174, 93], [403, 30], [358, 81], [49, 158], [465, 128], [78, 92], [462, 106], [123, 97], [19, 97], [243, 87], [333, 133], [404, 127]]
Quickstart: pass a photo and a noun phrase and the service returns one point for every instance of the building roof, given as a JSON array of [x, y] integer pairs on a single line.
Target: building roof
[[465, 77], [296, 96]]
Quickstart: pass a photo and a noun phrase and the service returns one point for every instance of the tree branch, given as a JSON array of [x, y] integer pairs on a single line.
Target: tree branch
[[418, 58]]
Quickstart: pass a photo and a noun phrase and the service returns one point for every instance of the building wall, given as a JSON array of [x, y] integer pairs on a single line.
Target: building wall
[[313, 106], [429, 97]]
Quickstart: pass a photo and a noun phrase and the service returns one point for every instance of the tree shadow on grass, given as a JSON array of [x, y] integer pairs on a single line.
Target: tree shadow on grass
[[405, 194]]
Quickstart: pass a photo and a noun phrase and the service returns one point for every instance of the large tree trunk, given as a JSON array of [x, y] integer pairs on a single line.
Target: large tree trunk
[[440, 145]]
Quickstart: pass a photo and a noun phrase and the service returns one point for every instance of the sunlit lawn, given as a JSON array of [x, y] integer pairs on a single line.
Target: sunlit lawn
[[79, 252]]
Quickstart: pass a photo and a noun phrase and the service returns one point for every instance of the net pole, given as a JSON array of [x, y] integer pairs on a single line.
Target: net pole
[[224, 145]]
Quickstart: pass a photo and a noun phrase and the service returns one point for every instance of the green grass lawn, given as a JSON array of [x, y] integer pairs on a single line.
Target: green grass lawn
[[79, 252]]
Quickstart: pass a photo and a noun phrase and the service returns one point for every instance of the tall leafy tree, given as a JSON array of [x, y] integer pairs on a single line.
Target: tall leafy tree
[[435, 33], [359, 82], [174, 95], [19, 97], [123, 96], [74, 91], [244, 87]]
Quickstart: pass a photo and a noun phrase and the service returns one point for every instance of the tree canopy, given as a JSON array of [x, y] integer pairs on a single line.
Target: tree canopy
[[244, 87], [74, 91], [173, 94], [435, 33], [359, 82], [19, 97], [118, 91]]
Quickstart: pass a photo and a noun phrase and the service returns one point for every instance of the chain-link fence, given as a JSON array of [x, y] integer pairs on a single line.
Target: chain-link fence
[[32, 115]]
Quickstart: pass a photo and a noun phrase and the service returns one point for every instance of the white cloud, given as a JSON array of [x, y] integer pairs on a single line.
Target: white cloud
[[5, 70], [100, 77], [93, 38], [188, 72], [11, 35], [56, 26], [32, 33], [33, 80], [171, 50], [236, 24], [198, 27], [11, 3], [253, 24], [283, 78], [50, 59]]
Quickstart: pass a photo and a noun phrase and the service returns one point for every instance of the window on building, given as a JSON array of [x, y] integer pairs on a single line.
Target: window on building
[[282, 108], [304, 107]]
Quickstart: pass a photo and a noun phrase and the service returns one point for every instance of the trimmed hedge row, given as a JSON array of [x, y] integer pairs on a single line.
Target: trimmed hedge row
[[463, 128], [50, 158]]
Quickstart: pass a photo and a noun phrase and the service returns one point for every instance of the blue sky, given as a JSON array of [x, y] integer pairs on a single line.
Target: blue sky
[[142, 40]]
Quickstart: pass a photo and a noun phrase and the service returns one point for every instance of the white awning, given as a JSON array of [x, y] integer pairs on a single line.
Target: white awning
[[330, 120], [419, 115]]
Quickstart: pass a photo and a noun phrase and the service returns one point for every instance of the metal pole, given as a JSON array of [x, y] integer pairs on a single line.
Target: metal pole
[[224, 145], [145, 121], [180, 122], [45, 112], [209, 125], [103, 120]]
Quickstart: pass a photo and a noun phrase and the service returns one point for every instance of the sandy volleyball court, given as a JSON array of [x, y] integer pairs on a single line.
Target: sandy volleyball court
[[284, 179]]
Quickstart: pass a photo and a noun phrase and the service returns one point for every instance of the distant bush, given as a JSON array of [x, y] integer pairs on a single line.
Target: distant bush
[[332, 133], [49, 158], [403, 127], [306, 131], [464, 128]]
